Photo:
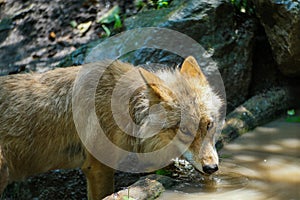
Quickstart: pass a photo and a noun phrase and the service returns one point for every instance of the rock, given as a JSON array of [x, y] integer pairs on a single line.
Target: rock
[[265, 74], [166, 181], [258, 110], [143, 189], [281, 21], [77, 57]]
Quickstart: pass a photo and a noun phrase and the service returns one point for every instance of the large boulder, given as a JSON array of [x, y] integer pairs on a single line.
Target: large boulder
[[281, 21]]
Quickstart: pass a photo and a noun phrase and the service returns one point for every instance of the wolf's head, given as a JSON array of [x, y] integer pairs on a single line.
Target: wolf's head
[[182, 103]]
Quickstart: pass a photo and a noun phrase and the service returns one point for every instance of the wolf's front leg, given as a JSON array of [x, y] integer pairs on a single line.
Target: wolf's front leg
[[100, 178]]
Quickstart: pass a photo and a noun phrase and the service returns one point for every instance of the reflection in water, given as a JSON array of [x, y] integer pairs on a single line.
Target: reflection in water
[[219, 182], [262, 164]]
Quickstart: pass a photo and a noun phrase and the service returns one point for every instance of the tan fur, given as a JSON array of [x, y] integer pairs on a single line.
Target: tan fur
[[3, 172], [37, 131]]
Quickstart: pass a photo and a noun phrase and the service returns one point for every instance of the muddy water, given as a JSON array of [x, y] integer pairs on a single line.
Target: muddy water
[[262, 164]]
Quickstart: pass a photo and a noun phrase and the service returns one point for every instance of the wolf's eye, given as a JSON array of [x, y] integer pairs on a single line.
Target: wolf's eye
[[210, 125], [183, 129], [186, 131]]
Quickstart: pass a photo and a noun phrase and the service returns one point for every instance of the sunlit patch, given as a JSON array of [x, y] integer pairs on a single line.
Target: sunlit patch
[[245, 158], [269, 130], [282, 169], [291, 143], [272, 148], [235, 147]]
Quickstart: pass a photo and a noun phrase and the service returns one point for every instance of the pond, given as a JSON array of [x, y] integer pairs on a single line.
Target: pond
[[261, 164]]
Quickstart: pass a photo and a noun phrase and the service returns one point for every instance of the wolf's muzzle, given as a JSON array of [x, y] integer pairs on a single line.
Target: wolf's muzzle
[[209, 169]]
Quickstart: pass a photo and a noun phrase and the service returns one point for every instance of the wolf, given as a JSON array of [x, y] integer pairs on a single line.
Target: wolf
[[38, 134]]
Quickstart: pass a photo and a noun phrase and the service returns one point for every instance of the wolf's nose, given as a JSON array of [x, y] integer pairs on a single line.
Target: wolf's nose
[[209, 169]]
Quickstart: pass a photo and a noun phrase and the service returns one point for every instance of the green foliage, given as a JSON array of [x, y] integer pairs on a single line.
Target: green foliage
[[157, 4], [140, 4], [109, 17], [243, 6], [163, 172], [291, 112], [73, 23], [292, 117], [162, 3], [107, 31], [118, 22], [112, 16]]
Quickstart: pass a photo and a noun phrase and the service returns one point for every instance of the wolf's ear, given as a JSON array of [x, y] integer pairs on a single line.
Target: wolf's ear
[[156, 85], [191, 68]]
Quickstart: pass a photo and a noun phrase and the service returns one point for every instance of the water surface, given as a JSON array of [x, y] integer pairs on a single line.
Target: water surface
[[262, 164]]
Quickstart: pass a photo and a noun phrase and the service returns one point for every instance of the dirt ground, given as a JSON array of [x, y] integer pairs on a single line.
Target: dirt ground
[[35, 35]]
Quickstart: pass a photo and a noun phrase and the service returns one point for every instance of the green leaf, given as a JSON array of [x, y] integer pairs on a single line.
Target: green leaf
[[291, 112], [109, 17], [73, 23], [118, 22], [163, 172], [162, 3], [107, 31], [139, 4]]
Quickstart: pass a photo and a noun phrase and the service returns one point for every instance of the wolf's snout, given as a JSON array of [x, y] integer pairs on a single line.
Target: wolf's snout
[[209, 169]]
